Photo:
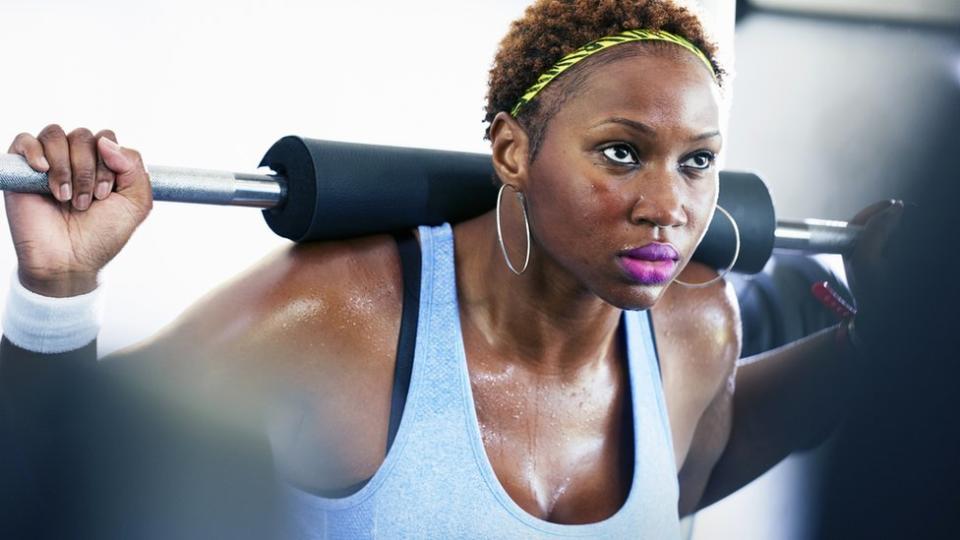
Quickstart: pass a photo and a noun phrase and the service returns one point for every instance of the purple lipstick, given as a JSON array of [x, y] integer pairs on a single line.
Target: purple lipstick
[[651, 264]]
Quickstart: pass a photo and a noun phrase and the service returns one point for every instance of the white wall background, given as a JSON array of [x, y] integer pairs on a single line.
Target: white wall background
[[213, 84]]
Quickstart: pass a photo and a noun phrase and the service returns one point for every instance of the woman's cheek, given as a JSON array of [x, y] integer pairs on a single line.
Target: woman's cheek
[[566, 222], [699, 222], [610, 203], [556, 204]]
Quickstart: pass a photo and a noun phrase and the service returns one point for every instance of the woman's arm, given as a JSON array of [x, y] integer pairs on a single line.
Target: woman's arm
[[793, 397], [787, 399]]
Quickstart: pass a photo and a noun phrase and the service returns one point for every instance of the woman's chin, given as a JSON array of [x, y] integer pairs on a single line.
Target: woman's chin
[[636, 297]]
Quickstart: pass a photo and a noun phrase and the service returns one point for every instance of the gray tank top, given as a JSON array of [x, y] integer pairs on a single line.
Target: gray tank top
[[436, 480]]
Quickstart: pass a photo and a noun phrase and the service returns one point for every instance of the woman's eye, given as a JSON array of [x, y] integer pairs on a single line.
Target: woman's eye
[[700, 161], [621, 153]]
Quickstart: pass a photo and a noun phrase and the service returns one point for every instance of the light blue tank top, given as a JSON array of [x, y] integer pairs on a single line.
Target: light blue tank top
[[436, 480]]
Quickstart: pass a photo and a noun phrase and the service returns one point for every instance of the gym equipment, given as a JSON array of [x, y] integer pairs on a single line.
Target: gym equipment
[[325, 190]]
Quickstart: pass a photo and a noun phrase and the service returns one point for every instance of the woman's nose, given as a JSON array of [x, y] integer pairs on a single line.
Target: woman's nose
[[659, 200]]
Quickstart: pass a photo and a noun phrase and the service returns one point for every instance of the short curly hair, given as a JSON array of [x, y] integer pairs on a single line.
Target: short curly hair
[[552, 29]]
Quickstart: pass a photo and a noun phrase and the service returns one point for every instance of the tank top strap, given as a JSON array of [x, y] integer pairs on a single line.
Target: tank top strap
[[646, 384], [437, 373]]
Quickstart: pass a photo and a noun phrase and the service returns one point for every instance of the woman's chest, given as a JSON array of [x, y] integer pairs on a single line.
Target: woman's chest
[[561, 447]]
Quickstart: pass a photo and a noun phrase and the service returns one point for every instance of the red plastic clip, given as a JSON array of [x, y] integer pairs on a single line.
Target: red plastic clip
[[823, 292]]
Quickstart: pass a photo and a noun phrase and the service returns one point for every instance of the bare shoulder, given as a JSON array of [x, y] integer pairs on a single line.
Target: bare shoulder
[[304, 309], [699, 328]]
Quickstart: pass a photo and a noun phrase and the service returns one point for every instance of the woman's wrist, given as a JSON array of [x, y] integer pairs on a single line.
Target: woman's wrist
[[72, 284]]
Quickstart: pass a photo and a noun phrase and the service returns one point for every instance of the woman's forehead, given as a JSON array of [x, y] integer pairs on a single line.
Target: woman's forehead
[[659, 90]]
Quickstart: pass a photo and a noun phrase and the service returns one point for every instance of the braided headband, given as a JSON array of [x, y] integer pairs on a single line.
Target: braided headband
[[596, 46]]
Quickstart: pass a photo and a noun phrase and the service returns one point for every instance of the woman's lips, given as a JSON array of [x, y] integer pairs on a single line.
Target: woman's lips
[[651, 264], [653, 252]]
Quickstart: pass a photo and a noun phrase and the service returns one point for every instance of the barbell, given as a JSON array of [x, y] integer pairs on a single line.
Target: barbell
[[324, 190]]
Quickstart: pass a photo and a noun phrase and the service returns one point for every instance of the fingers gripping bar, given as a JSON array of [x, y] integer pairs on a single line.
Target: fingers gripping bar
[[176, 184]]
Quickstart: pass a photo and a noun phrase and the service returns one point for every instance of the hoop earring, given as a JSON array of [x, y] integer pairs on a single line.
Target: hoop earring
[[526, 224], [736, 255]]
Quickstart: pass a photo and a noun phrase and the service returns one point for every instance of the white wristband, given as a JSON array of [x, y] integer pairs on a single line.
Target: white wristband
[[47, 325]]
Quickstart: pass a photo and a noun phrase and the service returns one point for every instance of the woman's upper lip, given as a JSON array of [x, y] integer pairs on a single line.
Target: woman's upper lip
[[653, 251]]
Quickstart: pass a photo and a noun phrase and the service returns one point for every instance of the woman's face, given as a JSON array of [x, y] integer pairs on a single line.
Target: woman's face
[[628, 161]]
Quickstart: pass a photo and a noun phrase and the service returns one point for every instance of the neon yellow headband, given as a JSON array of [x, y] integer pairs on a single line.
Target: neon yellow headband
[[596, 46]]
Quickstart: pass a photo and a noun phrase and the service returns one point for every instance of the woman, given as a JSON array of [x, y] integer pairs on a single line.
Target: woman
[[538, 399]]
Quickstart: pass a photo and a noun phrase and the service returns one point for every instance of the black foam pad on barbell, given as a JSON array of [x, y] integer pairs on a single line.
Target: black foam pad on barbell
[[340, 190], [746, 197]]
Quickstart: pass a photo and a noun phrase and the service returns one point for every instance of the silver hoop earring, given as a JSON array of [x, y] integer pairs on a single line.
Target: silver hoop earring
[[526, 224], [736, 255]]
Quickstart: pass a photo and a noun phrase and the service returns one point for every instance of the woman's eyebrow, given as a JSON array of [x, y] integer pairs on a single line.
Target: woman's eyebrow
[[707, 135], [638, 126], [647, 130]]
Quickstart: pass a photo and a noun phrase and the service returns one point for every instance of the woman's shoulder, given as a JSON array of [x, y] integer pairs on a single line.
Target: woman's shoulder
[[364, 265], [304, 302], [311, 328], [699, 329], [344, 288]]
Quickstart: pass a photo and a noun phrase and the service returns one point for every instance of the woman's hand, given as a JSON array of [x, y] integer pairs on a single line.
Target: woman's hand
[[100, 194], [868, 265]]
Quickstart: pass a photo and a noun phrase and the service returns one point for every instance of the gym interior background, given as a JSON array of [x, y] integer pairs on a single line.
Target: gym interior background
[[837, 103]]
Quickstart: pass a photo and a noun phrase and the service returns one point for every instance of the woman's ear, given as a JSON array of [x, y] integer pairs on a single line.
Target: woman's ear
[[510, 146]]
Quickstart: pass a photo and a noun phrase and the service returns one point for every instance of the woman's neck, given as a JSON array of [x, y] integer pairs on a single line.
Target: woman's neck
[[543, 318]]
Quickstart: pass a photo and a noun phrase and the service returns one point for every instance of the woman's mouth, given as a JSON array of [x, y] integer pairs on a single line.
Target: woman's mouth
[[651, 264]]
